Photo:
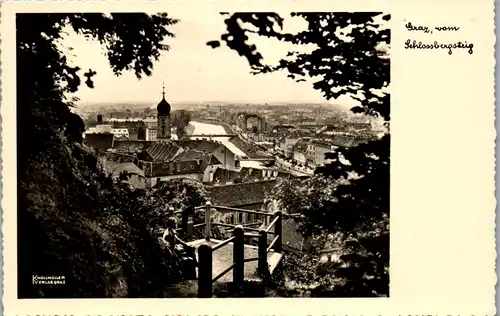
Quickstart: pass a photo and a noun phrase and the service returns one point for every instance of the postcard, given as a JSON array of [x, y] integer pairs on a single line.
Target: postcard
[[248, 157]]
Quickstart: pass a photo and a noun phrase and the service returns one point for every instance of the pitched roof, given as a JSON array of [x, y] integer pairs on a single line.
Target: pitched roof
[[214, 161], [190, 155], [160, 151], [201, 144], [252, 151], [131, 145], [301, 146], [161, 169], [241, 193], [100, 141]]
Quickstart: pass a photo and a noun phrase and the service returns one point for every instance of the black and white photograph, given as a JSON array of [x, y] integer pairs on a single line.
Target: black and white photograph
[[203, 154]]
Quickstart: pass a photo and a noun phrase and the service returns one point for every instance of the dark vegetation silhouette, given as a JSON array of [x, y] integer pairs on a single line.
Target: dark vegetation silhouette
[[345, 205], [72, 220]]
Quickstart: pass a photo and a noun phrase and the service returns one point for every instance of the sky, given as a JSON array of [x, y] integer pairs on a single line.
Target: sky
[[195, 72]]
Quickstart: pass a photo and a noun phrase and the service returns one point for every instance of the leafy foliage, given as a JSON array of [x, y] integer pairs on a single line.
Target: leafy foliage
[[350, 55], [349, 197], [73, 220]]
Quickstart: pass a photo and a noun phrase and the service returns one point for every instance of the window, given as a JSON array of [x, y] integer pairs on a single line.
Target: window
[[240, 218]]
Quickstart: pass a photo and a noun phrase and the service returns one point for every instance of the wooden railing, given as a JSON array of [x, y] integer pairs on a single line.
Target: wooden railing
[[206, 250]]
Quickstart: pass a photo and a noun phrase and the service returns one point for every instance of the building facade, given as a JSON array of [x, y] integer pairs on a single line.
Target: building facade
[[120, 132], [320, 149], [151, 134]]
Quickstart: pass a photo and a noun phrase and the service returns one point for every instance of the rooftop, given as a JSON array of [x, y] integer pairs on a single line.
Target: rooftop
[[250, 150], [127, 145], [161, 151], [240, 194], [301, 146], [161, 169], [189, 155], [201, 144], [339, 141]]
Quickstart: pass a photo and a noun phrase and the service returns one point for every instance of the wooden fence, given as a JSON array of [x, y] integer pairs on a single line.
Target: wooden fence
[[206, 250]]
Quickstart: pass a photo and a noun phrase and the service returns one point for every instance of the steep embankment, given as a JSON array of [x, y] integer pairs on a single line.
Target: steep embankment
[[73, 222]]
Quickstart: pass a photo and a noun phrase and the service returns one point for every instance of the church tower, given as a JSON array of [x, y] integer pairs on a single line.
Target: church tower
[[163, 118]]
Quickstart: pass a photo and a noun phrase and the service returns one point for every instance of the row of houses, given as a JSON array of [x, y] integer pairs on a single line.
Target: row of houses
[[211, 162], [308, 146], [312, 152], [144, 128]]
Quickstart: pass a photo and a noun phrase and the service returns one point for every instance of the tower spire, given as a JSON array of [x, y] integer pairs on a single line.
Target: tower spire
[[163, 92]]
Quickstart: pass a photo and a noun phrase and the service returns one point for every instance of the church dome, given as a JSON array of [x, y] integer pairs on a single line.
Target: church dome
[[163, 107]]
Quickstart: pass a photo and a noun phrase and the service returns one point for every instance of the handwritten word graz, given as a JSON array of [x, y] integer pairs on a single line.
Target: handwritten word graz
[[410, 27]]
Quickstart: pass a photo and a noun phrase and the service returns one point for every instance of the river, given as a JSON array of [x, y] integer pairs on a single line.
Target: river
[[199, 128]]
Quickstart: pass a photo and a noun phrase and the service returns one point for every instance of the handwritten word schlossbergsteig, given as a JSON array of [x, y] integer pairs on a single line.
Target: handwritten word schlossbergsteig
[[450, 47]]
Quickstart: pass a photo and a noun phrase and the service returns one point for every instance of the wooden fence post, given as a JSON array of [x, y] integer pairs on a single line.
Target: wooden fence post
[[205, 270], [238, 255], [190, 227], [277, 232], [184, 221], [187, 225], [262, 267], [208, 213]]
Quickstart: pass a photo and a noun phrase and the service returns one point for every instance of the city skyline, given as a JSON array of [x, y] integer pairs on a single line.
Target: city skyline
[[193, 72]]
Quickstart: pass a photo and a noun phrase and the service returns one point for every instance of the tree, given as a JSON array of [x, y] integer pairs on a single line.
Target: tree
[[182, 121], [350, 195], [46, 79], [73, 221]]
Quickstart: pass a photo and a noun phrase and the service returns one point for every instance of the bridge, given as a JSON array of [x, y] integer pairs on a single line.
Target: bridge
[[212, 135], [235, 259]]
